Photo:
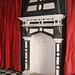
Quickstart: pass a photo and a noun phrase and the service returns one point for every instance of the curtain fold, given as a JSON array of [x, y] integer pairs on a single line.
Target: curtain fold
[[70, 50], [10, 34]]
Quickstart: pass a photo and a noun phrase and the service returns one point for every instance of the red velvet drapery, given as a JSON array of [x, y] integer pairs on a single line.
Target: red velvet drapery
[[10, 34], [70, 51]]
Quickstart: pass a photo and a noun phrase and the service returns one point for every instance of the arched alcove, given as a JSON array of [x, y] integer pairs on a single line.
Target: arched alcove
[[42, 54]]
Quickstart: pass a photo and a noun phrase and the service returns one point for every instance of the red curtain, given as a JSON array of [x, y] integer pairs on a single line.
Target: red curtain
[[10, 34], [70, 51]]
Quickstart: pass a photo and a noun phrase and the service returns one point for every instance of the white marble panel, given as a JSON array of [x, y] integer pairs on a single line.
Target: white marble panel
[[58, 49], [32, 8], [49, 30], [57, 60], [32, 1], [57, 72], [25, 44], [49, 6], [33, 30], [25, 55], [26, 65]]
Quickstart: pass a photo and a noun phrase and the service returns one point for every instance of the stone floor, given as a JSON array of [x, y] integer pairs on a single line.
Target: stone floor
[[28, 73], [9, 72], [12, 72]]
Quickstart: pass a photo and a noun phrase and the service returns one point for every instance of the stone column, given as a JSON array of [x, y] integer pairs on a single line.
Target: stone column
[[58, 49]]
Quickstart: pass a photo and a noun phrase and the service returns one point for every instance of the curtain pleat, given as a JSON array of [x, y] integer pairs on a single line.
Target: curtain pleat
[[10, 34], [70, 50]]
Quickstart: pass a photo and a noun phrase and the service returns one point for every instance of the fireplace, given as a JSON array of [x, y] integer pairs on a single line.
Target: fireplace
[[43, 42], [42, 54]]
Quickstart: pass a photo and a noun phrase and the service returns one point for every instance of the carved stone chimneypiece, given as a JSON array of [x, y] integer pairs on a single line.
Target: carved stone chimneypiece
[[42, 16], [50, 25]]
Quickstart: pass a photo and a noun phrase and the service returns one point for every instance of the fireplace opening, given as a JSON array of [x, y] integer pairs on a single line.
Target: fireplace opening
[[45, 44], [41, 55]]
